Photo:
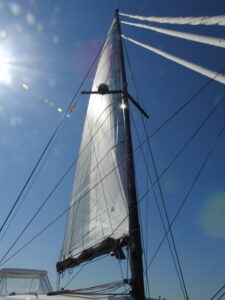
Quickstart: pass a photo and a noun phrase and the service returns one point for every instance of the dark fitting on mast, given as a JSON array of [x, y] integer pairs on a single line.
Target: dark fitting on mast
[[103, 89]]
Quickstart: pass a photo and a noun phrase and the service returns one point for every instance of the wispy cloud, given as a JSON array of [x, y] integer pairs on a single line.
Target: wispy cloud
[[1, 109], [15, 9], [15, 120]]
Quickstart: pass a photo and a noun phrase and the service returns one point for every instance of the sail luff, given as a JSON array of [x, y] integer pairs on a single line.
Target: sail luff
[[136, 264]]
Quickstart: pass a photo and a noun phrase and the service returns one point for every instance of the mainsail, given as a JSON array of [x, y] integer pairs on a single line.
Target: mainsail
[[97, 222]]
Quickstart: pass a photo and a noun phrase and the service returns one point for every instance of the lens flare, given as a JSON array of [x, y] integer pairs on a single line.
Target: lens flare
[[212, 216], [5, 76], [25, 86]]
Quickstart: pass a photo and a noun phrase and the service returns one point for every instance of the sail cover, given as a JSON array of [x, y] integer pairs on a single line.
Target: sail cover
[[97, 222]]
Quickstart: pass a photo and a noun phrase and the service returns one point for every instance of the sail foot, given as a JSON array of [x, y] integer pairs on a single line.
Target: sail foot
[[109, 245]]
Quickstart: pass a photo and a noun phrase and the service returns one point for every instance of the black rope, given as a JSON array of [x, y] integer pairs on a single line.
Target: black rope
[[49, 142]]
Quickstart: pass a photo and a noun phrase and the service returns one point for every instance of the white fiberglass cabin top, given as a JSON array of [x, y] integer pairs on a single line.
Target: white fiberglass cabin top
[[23, 281]]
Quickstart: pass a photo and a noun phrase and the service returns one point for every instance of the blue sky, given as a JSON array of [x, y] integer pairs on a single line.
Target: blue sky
[[48, 46]]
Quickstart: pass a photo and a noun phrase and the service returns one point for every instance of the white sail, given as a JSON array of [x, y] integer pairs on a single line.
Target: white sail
[[99, 203]]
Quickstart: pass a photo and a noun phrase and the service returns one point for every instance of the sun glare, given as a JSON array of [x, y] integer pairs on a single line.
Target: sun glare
[[5, 76]]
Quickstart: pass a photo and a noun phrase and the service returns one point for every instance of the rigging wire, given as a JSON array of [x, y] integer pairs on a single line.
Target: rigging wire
[[48, 197], [221, 296], [58, 281], [38, 173], [167, 168], [38, 210], [167, 219], [29, 224], [189, 191], [188, 141], [121, 271], [142, 197], [43, 203], [193, 184], [49, 142], [75, 275], [104, 287], [184, 289], [218, 42], [182, 107], [203, 20], [52, 144], [185, 104], [82, 267], [148, 182], [185, 63], [177, 268], [170, 225], [101, 288], [179, 109], [160, 213], [28, 189], [214, 296], [195, 180]]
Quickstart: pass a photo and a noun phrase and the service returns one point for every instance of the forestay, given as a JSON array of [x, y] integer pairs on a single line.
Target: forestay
[[97, 222]]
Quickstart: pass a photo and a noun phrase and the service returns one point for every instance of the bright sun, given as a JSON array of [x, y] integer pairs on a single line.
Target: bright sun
[[5, 76]]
